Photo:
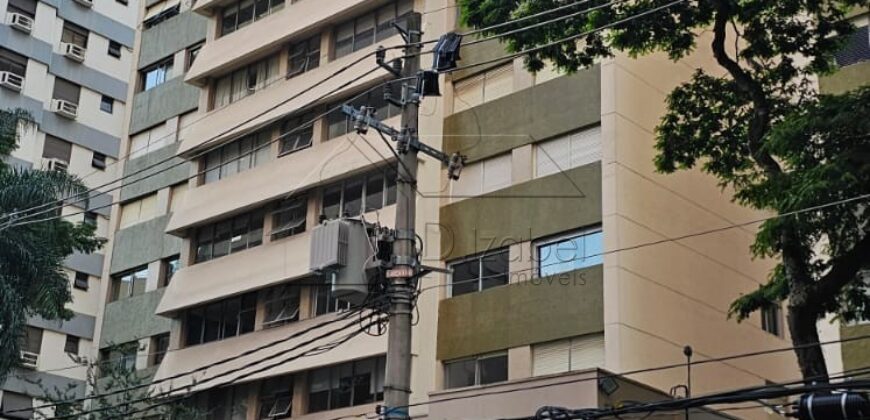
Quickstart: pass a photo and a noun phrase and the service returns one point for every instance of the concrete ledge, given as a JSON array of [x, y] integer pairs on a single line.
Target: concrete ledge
[[132, 319], [143, 243], [24, 381], [80, 325], [91, 264]]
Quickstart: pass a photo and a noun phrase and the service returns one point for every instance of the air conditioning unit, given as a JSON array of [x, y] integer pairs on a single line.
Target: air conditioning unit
[[86, 3], [64, 108], [342, 251], [29, 359], [11, 81], [55, 164], [73, 51], [20, 22]]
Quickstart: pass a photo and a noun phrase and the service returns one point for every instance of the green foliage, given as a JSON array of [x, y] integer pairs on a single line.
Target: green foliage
[[759, 127], [32, 278]]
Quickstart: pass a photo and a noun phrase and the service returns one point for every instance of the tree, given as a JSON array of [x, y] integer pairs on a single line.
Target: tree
[[760, 128], [32, 278]]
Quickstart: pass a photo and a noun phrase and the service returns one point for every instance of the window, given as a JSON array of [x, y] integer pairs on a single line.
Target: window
[[568, 253], [71, 345], [245, 81], [289, 218], [566, 152], [114, 49], [304, 56], [856, 48], [358, 195], [171, 266], [480, 272], [24, 7], [107, 104], [228, 236], [276, 398], [68, 91], [192, 53], [74, 34], [483, 87], [139, 210], [480, 370], [570, 354], [156, 74], [90, 218], [325, 302], [81, 281], [281, 305], [31, 341], [98, 161], [238, 156], [370, 28], [129, 284], [159, 347], [13, 402], [161, 16], [339, 124], [12, 62], [296, 134], [771, 318], [482, 177], [346, 385], [55, 148], [239, 15], [217, 321], [120, 358]]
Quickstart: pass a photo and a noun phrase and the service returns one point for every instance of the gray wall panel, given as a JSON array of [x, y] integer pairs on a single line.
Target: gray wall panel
[[86, 263], [133, 319], [143, 243], [171, 36], [25, 381], [93, 21], [17, 163], [153, 179], [80, 325], [154, 106]]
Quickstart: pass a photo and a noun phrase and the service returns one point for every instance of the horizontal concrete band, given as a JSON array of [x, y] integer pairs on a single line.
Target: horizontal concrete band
[[142, 244], [155, 106], [72, 131], [171, 36], [17, 163], [94, 21], [133, 319], [61, 66], [42, 384], [80, 325], [92, 264]]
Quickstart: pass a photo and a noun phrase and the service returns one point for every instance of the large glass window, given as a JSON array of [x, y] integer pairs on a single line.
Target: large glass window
[[572, 252], [281, 305], [156, 74], [276, 398], [24, 7], [289, 218], [365, 30], [159, 347], [296, 133], [359, 194], [245, 81], [304, 56], [228, 236], [130, 283], [346, 385], [220, 320], [339, 124], [12, 62], [480, 370], [240, 14], [238, 156], [481, 272], [324, 301]]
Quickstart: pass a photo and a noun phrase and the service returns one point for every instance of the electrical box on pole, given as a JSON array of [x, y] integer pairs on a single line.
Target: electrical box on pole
[[343, 252]]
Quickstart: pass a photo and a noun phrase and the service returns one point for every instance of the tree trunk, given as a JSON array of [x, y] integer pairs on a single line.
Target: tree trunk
[[805, 338]]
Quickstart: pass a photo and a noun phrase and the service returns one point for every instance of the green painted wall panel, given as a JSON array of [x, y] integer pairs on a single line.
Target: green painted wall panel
[[132, 319], [521, 314], [555, 107], [856, 354], [157, 175], [143, 243], [846, 78], [170, 36], [158, 104], [531, 210]]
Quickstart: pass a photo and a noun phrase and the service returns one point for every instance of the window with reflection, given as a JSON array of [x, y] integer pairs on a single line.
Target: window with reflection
[[245, 81], [346, 385], [281, 305], [570, 252], [296, 133], [376, 26], [129, 283], [480, 272], [219, 320], [360, 194], [304, 56], [290, 216], [240, 14], [324, 301], [238, 156], [228, 236]]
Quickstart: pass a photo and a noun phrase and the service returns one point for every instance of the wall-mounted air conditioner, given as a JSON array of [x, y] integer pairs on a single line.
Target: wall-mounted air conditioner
[[20, 22], [29, 359], [64, 108], [55, 164], [72, 51], [86, 3], [11, 81]]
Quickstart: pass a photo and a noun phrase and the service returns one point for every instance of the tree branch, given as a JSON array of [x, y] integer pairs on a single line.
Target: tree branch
[[843, 270]]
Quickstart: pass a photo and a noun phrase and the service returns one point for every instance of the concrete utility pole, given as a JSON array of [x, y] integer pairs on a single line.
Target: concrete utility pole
[[397, 386]]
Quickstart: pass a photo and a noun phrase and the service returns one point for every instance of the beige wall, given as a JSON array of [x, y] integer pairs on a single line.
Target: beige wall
[[663, 297]]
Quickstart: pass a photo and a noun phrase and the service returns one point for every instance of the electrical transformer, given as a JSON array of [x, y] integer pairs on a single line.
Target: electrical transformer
[[343, 252]]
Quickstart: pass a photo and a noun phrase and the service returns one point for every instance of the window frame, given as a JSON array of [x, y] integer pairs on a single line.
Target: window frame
[[72, 340], [283, 208], [74, 34], [16, 8], [376, 28], [158, 349], [118, 279], [333, 304], [167, 271], [13, 62], [477, 370], [244, 319], [114, 49], [257, 151], [81, 280], [564, 237], [772, 323], [240, 80], [98, 161], [161, 69], [107, 104], [309, 53], [283, 297], [254, 221], [162, 16], [301, 139], [480, 269], [388, 192], [273, 7]]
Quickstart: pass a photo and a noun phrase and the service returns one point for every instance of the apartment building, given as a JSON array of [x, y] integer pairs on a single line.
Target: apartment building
[[67, 63], [209, 260]]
